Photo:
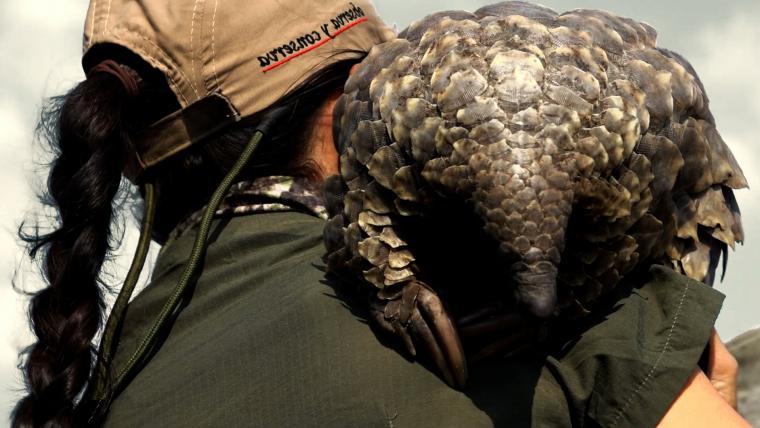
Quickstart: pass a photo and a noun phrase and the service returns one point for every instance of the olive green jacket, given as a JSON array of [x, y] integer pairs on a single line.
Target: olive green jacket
[[265, 342]]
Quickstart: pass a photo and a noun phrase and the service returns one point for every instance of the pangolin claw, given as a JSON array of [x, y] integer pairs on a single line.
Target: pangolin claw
[[417, 318]]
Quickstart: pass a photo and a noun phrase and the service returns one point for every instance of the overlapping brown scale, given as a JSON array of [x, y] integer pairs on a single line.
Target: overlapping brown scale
[[355, 111], [733, 206], [406, 184], [353, 204], [640, 168], [384, 164], [648, 233], [647, 35], [525, 30], [685, 88], [611, 142], [461, 23], [686, 215], [425, 139], [389, 237], [559, 115], [349, 166], [408, 115], [714, 213], [464, 86], [342, 140], [489, 132], [374, 251], [635, 177], [537, 13], [375, 220], [378, 199], [463, 26], [626, 126], [564, 36], [526, 119], [447, 136], [359, 182], [396, 92], [334, 190], [666, 161], [600, 32], [352, 237], [601, 202], [333, 233], [396, 276], [582, 83], [657, 85], [699, 109], [457, 179], [400, 258], [698, 263], [375, 276], [580, 57], [418, 28], [634, 101], [443, 46], [527, 208], [630, 31], [696, 175], [593, 269], [401, 65], [450, 63], [515, 44], [568, 98], [723, 165], [479, 110], [378, 58], [369, 136], [433, 170], [706, 224]]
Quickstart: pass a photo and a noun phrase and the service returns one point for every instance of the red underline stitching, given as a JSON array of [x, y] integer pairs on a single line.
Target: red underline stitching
[[277, 64]]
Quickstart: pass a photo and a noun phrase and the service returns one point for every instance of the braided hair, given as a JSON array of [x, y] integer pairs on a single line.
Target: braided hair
[[88, 139]]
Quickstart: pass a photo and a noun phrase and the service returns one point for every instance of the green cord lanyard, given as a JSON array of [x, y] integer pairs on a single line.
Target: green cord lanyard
[[107, 343], [171, 307], [103, 394]]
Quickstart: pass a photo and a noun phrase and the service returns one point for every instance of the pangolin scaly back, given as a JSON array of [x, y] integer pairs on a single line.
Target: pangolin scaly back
[[582, 150]]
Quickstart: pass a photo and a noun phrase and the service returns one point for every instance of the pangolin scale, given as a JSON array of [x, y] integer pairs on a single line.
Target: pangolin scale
[[518, 156]]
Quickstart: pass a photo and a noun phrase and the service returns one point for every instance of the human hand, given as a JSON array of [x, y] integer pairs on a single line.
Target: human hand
[[708, 399], [722, 370]]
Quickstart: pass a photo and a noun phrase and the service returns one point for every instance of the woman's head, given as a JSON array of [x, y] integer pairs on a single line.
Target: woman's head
[[100, 126]]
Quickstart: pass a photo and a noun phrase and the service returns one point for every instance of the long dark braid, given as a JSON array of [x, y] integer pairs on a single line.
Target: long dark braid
[[89, 142]]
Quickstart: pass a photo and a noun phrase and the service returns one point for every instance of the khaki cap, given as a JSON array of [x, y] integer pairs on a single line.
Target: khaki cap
[[228, 59]]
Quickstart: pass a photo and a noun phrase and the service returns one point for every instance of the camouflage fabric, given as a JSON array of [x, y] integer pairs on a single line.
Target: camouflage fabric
[[265, 194]]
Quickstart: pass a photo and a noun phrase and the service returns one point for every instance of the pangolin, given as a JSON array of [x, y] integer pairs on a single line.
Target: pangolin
[[524, 159]]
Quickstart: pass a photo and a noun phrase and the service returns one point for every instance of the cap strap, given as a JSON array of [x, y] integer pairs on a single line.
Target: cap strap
[[180, 130]]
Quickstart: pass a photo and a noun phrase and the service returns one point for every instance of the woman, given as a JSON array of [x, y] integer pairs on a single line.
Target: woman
[[175, 91]]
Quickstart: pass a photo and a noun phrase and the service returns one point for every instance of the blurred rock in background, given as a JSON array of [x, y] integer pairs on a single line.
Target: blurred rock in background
[[746, 349]]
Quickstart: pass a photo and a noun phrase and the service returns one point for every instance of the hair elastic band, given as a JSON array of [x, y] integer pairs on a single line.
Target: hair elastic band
[[123, 73]]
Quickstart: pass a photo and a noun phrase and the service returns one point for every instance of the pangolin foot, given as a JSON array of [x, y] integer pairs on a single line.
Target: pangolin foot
[[413, 313]]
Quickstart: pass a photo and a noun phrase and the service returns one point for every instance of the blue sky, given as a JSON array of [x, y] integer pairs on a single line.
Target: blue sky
[[40, 43]]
